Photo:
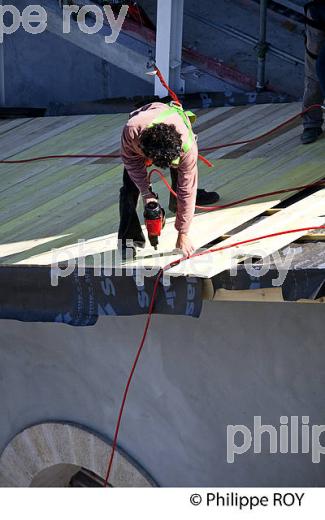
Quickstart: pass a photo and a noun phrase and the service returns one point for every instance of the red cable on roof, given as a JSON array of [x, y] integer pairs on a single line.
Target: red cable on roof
[[209, 149]]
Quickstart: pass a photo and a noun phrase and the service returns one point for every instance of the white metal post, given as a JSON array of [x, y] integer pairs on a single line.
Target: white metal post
[[2, 72], [169, 43]]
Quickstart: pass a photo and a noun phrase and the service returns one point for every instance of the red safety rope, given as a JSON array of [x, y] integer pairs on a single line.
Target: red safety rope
[[149, 318], [209, 149], [167, 87]]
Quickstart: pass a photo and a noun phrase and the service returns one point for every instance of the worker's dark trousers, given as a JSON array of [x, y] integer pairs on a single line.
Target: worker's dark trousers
[[172, 199], [130, 227], [313, 94], [320, 66]]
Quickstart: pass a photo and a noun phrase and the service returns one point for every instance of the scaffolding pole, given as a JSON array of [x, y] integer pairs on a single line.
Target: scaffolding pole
[[262, 47], [169, 43], [2, 72]]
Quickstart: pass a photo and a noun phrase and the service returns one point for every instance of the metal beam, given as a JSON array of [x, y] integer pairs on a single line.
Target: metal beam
[[121, 56], [291, 5], [244, 37], [169, 43]]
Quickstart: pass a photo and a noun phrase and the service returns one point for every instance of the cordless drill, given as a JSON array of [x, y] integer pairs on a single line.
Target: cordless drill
[[154, 217]]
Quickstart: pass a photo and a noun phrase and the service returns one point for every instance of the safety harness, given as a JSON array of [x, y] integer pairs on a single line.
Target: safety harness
[[189, 119]]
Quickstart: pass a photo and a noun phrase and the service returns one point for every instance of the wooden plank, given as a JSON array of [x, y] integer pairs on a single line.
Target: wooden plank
[[104, 139], [87, 228], [215, 263], [215, 117], [33, 175], [259, 149], [8, 124], [63, 202], [98, 139], [264, 176], [90, 247], [231, 128], [36, 131], [205, 227], [71, 138], [79, 199], [244, 126], [272, 295], [305, 213], [256, 295], [91, 223], [313, 237], [283, 135], [278, 144], [18, 247]]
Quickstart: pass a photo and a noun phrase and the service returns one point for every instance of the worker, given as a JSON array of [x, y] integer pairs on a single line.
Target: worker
[[313, 95], [320, 67], [160, 135]]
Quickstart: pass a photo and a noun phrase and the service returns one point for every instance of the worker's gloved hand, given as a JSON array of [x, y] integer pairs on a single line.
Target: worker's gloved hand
[[185, 244]]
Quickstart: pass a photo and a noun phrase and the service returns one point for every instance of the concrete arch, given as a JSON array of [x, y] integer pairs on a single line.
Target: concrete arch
[[35, 449]]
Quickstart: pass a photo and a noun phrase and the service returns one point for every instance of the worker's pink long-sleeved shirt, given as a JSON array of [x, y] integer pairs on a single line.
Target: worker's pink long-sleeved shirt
[[135, 161]]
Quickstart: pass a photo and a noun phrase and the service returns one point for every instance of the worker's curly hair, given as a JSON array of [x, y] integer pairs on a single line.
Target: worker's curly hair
[[162, 144]]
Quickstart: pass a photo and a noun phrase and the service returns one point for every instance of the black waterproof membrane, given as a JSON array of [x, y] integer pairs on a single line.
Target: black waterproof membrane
[[27, 293], [299, 271]]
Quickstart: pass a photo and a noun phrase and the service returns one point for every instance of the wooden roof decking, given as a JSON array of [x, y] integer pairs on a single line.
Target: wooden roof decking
[[54, 203]]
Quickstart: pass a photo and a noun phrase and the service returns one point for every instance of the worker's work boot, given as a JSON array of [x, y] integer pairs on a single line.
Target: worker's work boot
[[310, 135], [203, 198], [206, 198], [128, 252], [172, 204]]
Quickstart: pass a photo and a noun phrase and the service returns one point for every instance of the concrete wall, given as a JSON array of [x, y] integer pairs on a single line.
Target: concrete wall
[[195, 377], [44, 69]]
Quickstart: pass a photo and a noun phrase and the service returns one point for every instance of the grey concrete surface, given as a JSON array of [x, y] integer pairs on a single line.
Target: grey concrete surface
[[243, 15], [44, 69], [195, 377]]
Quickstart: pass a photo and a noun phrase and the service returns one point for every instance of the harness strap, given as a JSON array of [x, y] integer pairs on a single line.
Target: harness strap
[[188, 117]]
